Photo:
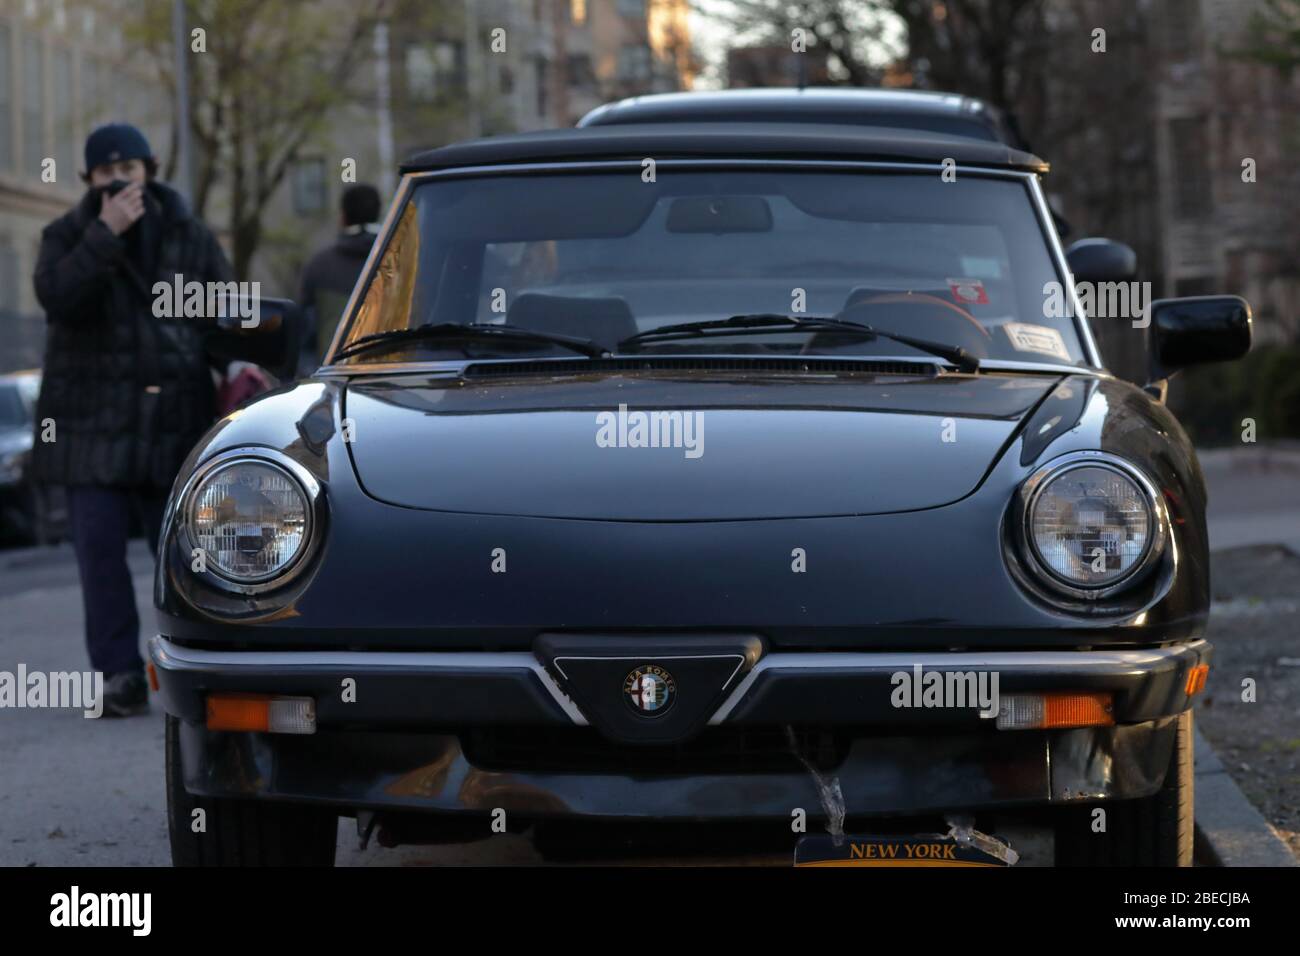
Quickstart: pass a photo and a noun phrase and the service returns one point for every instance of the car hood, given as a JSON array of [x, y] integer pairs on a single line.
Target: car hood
[[749, 446]]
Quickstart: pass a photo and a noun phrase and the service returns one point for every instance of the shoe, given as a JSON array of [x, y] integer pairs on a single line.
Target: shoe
[[126, 695]]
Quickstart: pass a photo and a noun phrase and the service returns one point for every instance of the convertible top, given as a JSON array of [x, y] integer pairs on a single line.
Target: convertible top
[[725, 141]]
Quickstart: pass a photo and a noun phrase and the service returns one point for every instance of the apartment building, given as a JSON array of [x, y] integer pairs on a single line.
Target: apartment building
[[1225, 124]]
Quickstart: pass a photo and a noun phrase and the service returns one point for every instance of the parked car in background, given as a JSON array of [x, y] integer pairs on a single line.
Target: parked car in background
[[920, 111], [443, 579], [28, 513]]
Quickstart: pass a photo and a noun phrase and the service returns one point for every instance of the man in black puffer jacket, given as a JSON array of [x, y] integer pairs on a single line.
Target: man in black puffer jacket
[[125, 395]]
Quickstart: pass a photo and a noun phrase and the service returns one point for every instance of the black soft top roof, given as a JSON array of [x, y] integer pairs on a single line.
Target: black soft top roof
[[725, 141]]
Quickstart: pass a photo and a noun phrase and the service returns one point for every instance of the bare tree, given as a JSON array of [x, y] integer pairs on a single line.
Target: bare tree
[[264, 77], [845, 29], [997, 50]]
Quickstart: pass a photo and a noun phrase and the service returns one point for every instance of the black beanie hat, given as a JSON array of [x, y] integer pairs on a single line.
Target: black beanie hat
[[114, 142]]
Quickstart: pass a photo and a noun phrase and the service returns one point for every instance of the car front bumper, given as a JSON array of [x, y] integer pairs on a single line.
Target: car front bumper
[[469, 733]]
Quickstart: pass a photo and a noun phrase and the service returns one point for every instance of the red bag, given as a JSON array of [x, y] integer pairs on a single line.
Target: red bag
[[247, 383]]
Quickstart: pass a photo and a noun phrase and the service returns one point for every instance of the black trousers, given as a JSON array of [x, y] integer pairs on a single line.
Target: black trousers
[[101, 522]]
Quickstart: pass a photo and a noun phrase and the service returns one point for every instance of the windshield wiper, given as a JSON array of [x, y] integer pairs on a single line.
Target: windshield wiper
[[757, 323], [473, 332]]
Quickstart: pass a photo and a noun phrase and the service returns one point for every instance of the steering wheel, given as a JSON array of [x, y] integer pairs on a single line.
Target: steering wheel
[[929, 310], [949, 309]]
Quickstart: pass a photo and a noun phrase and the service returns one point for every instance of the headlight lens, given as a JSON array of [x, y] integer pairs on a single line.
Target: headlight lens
[[1091, 526], [251, 518]]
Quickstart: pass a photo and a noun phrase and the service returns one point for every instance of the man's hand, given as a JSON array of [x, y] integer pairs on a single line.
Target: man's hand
[[120, 212]]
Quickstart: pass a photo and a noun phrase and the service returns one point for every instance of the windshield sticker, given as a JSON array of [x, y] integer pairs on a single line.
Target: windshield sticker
[[1037, 338], [968, 291]]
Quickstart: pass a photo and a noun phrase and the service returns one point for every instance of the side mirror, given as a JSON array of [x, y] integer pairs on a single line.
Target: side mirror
[[1101, 260], [265, 331], [1207, 328]]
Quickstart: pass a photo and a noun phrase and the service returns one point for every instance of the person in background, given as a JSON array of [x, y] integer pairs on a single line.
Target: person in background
[[329, 276], [124, 395]]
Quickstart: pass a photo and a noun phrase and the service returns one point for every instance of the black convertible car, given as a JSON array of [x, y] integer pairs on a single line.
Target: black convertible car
[[700, 473]]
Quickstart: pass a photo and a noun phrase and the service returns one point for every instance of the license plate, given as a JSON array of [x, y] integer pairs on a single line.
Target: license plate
[[933, 850]]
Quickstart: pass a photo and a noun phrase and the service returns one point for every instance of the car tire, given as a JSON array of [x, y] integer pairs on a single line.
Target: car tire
[[1150, 831], [242, 832]]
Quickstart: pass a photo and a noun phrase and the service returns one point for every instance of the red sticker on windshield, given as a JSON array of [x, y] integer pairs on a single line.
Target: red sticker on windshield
[[968, 291]]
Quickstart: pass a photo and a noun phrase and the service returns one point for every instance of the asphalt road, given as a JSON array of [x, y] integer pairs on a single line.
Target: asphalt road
[[80, 792]]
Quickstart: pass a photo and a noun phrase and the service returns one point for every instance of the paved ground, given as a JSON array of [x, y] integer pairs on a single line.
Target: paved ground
[[80, 792], [1257, 647], [55, 809], [1254, 495]]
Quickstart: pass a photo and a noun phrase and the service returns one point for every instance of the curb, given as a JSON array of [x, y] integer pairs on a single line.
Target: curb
[[1229, 830]]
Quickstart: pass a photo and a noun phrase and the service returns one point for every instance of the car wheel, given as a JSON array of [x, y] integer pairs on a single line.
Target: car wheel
[[242, 832], [1151, 831]]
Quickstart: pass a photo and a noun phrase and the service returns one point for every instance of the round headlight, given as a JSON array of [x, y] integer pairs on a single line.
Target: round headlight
[[252, 518], [1091, 525]]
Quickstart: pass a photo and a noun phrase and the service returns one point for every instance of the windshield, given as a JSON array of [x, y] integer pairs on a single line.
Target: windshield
[[604, 256]]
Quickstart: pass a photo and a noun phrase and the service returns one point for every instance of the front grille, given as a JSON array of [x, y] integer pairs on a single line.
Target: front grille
[[803, 365], [713, 750]]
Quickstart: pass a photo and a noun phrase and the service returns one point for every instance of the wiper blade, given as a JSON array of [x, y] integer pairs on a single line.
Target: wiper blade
[[765, 322], [955, 354], [753, 320], [473, 331]]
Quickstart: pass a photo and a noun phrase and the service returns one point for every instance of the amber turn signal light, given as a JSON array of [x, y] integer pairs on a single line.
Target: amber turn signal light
[[1055, 710], [262, 713]]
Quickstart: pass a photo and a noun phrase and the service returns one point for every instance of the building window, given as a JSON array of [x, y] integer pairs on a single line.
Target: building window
[[121, 94], [33, 108], [578, 11], [420, 73], [161, 115], [634, 63], [65, 133], [632, 8], [92, 98], [541, 79], [582, 76], [8, 276], [434, 70], [309, 191], [449, 56], [1180, 22], [6, 101], [1189, 166]]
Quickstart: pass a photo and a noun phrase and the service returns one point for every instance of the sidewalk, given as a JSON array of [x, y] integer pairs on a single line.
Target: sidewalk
[[1254, 495]]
